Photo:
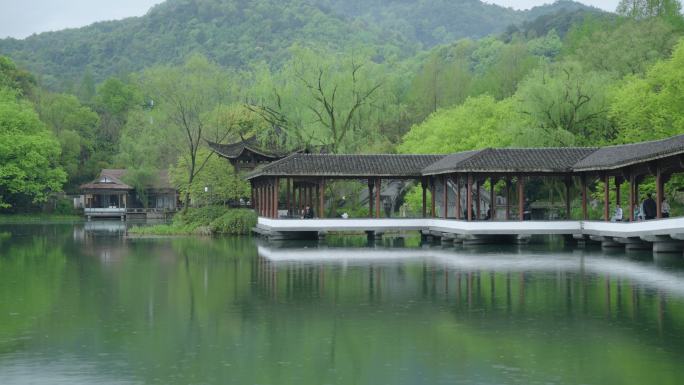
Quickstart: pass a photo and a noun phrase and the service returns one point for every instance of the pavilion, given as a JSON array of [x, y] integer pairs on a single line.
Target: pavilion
[[304, 177]]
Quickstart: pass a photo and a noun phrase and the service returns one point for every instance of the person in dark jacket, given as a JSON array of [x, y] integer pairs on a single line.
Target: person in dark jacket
[[308, 213], [649, 207]]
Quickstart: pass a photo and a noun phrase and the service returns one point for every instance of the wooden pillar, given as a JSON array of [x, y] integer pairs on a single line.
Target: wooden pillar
[[321, 199], [492, 199], [477, 200], [659, 192], [469, 198], [432, 196], [618, 193], [585, 213], [276, 190], [568, 198], [508, 198], [288, 202], [445, 197], [606, 197], [370, 197], [458, 195], [632, 196], [423, 184], [378, 190], [521, 197], [252, 194]]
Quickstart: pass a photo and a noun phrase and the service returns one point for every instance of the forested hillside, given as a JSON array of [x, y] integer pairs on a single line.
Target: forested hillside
[[568, 78], [239, 33]]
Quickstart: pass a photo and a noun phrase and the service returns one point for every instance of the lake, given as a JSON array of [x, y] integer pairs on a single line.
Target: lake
[[81, 304]]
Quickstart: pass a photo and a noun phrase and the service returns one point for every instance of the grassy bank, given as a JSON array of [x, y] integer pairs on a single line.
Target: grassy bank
[[204, 221], [38, 217]]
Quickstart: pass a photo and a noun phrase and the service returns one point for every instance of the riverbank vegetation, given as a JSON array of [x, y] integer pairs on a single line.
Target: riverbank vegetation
[[208, 220], [569, 76]]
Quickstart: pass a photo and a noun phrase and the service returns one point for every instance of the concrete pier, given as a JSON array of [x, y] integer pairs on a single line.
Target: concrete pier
[[662, 236]]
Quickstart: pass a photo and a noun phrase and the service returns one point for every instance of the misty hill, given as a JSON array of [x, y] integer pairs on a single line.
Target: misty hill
[[236, 33]]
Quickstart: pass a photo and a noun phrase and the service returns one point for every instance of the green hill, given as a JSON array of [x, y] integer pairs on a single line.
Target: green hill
[[236, 33]]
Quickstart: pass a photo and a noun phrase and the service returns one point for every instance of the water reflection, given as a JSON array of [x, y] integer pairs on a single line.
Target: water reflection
[[106, 309]]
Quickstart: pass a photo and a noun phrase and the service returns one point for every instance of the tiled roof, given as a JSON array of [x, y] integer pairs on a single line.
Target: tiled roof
[[612, 157], [348, 165], [525, 159], [114, 181], [449, 163], [234, 150]]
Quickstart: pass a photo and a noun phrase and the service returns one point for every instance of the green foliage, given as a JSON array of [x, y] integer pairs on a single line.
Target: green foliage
[[234, 222], [204, 221], [219, 178], [651, 107], [568, 105], [478, 123], [29, 153]]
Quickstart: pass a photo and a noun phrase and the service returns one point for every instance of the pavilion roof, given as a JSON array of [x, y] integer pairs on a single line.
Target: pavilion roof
[[489, 160], [234, 150], [613, 157], [537, 160], [362, 166]]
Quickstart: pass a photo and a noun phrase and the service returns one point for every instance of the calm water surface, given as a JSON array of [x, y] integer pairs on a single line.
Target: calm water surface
[[81, 305]]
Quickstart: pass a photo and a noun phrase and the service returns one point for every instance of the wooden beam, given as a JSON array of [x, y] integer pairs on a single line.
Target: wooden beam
[[423, 184], [632, 196], [432, 196], [321, 199], [492, 199], [370, 197], [606, 197], [478, 213], [378, 190], [469, 198], [659, 192], [568, 197], [585, 213], [288, 183], [521, 197], [445, 197], [458, 195], [508, 198]]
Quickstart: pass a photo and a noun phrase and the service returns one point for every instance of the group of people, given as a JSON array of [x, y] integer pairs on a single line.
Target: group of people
[[647, 210]]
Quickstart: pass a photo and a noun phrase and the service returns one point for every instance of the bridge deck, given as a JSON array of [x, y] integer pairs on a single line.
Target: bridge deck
[[666, 227]]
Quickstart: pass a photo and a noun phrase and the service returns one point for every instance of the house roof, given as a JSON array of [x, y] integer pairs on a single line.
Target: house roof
[[234, 150], [111, 180], [387, 165], [612, 157]]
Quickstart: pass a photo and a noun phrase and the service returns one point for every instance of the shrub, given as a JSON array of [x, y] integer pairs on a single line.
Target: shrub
[[234, 222]]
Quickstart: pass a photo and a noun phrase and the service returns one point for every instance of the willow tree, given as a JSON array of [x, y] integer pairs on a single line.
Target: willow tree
[[185, 98]]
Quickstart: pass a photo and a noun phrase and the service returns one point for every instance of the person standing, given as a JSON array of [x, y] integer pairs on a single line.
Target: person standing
[[650, 207], [617, 217], [665, 208]]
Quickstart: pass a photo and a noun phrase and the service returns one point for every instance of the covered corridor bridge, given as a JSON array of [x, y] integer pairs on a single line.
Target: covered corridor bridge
[[454, 181]]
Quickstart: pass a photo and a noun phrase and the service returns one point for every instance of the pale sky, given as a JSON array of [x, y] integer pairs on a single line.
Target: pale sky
[[21, 18]]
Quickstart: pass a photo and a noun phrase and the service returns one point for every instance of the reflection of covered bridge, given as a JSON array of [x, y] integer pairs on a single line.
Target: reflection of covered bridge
[[454, 182]]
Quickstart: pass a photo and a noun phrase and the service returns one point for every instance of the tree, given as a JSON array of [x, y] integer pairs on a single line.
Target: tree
[[75, 126], [567, 103], [29, 153], [478, 123], [651, 107], [216, 183], [642, 9], [185, 96]]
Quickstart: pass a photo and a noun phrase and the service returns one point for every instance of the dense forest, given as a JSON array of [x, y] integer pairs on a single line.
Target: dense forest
[[394, 76]]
